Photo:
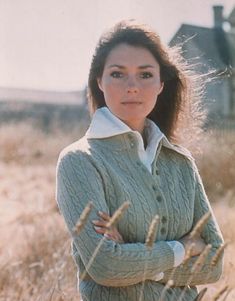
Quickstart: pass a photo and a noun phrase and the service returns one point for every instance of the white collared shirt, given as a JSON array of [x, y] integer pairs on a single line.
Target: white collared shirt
[[105, 124]]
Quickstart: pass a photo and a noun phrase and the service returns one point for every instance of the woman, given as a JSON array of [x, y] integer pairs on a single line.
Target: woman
[[140, 94]]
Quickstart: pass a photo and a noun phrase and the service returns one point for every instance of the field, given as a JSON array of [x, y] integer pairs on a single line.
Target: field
[[35, 261]]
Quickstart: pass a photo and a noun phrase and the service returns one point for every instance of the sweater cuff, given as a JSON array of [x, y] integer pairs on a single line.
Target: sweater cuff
[[179, 251]]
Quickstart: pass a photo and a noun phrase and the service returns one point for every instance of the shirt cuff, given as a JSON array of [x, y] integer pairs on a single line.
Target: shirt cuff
[[179, 251]]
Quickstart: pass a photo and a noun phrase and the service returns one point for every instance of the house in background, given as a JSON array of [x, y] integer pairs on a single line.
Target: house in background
[[213, 49], [44, 109]]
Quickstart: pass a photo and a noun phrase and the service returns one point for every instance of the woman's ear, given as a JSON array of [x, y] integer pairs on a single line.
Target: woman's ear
[[99, 82], [161, 88]]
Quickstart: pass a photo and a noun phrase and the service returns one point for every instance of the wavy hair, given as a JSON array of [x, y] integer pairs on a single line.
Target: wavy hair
[[178, 111]]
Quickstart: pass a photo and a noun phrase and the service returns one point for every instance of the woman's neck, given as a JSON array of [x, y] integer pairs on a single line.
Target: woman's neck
[[139, 127], [136, 126]]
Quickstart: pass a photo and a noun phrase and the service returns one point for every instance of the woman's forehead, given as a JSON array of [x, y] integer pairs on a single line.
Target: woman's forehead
[[127, 55]]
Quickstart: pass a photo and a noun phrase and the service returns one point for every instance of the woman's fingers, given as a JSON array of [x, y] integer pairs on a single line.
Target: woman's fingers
[[100, 230], [100, 227], [109, 236], [107, 233], [114, 237], [104, 215], [100, 223]]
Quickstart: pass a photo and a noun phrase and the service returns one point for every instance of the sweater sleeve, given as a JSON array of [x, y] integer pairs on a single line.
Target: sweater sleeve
[[211, 235], [78, 182]]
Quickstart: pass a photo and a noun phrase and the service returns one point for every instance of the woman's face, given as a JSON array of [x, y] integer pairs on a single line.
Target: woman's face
[[131, 84]]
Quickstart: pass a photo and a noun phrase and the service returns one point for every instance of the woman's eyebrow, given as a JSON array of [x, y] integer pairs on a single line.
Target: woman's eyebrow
[[123, 67], [117, 66], [146, 66]]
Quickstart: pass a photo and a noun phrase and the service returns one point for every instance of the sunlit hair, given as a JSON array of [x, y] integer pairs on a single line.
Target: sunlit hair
[[177, 112]]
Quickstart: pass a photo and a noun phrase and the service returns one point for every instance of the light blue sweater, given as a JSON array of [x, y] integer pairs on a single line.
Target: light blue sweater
[[108, 171]]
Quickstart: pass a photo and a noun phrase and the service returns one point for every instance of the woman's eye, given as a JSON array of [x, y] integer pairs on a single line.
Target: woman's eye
[[146, 75], [116, 74]]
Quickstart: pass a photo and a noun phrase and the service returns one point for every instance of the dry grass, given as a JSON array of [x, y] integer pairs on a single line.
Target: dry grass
[[216, 164], [35, 261], [24, 144]]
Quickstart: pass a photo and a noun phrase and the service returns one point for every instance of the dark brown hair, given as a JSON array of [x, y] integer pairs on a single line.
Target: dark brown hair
[[177, 108]]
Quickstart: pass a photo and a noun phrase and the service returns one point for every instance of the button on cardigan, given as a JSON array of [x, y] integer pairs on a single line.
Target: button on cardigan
[[108, 171]]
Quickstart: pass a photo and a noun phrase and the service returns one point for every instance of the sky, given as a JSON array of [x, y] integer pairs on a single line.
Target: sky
[[48, 44]]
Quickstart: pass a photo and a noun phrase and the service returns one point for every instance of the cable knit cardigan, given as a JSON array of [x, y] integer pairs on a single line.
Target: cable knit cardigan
[[108, 172]]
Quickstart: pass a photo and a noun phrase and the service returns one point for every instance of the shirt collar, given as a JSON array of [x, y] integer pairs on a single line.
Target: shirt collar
[[105, 124]]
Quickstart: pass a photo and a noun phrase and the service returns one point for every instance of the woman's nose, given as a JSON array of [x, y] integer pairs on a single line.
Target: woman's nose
[[132, 85]]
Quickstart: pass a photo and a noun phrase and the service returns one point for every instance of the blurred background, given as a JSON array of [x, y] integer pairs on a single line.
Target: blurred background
[[46, 49]]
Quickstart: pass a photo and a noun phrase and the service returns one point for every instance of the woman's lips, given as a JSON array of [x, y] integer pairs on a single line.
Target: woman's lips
[[131, 103]]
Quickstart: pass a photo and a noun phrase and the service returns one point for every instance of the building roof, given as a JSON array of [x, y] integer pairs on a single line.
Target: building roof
[[213, 45]]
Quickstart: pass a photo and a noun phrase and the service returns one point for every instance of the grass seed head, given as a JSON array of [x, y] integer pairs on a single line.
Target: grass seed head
[[83, 218], [151, 236], [200, 224], [118, 214], [218, 254], [201, 259], [201, 294], [220, 293]]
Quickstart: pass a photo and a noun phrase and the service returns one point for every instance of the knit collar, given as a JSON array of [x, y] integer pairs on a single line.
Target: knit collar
[[105, 124]]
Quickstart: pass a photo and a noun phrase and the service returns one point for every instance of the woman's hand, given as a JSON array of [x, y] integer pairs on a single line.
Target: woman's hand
[[197, 247], [101, 228]]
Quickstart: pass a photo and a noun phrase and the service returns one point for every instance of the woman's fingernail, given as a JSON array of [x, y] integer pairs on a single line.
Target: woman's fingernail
[[97, 228], [94, 221]]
